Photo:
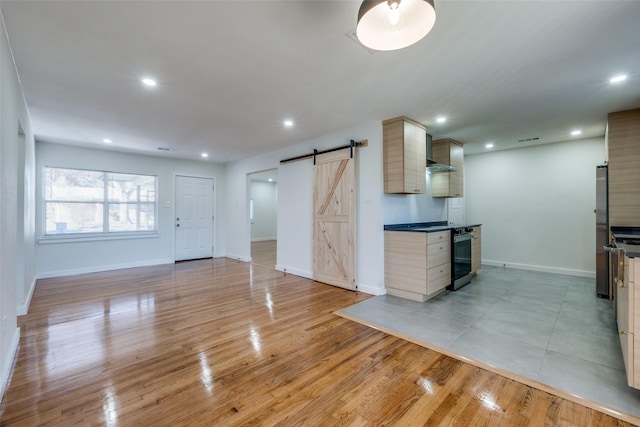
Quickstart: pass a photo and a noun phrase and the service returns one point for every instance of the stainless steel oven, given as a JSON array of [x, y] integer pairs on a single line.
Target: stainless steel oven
[[460, 257]]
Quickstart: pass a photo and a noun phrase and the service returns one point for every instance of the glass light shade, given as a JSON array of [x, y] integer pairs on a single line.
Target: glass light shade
[[379, 30]]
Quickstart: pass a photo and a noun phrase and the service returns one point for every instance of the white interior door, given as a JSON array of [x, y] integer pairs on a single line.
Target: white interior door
[[194, 218]]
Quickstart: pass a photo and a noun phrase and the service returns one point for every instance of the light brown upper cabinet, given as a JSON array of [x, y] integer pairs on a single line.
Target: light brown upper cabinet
[[448, 184], [405, 156], [624, 174]]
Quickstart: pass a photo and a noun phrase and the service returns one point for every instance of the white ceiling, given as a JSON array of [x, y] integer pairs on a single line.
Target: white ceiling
[[230, 72]]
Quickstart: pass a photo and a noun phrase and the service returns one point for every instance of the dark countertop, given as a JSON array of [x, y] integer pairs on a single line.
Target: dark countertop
[[427, 227], [628, 239]]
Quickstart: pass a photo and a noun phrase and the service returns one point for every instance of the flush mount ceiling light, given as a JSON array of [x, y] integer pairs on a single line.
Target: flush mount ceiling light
[[288, 123], [149, 82], [441, 119], [576, 132], [204, 155], [618, 79], [489, 145], [394, 24], [107, 141]]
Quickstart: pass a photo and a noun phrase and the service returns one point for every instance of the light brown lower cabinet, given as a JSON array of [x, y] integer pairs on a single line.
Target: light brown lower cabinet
[[417, 265], [476, 249], [628, 318]]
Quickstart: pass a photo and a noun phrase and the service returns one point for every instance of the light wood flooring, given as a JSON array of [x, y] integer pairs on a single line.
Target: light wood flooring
[[264, 253], [226, 343]]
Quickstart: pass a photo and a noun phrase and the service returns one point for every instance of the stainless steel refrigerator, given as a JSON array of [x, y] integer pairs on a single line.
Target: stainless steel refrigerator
[[602, 231]]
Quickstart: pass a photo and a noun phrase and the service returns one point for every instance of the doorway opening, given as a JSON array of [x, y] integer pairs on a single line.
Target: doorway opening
[[263, 217]]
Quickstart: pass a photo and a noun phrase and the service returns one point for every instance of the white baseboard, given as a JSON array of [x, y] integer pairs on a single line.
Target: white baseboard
[[238, 257], [361, 287], [100, 268], [5, 373], [542, 268], [371, 290], [295, 271], [23, 309], [263, 239]]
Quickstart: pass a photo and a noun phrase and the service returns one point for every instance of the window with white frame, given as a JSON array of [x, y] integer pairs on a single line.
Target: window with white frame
[[98, 202]]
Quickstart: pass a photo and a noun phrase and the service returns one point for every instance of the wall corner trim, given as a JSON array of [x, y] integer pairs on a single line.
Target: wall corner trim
[[5, 373], [23, 308]]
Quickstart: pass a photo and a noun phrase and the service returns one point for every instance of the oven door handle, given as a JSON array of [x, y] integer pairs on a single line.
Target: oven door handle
[[461, 238]]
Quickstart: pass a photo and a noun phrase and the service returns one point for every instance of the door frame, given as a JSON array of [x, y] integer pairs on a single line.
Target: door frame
[[172, 203], [247, 213]]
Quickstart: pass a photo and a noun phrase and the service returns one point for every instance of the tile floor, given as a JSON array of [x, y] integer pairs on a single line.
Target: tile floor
[[547, 327]]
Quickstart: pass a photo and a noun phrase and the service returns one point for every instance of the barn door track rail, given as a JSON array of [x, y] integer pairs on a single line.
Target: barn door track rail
[[352, 144]]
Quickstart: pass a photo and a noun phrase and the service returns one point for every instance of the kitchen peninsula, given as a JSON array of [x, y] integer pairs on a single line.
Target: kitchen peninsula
[[626, 272], [423, 259]]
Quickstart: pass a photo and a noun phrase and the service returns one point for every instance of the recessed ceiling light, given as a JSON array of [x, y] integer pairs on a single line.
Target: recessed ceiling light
[[204, 155], [107, 141], [288, 123], [441, 119], [576, 132], [147, 81], [270, 180], [618, 79], [489, 145]]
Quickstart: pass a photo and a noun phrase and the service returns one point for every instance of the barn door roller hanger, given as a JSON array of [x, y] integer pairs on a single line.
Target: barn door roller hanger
[[352, 144]]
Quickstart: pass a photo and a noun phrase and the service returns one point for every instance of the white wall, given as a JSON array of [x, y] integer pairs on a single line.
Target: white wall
[[74, 257], [265, 210], [536, 205], [16, 160], [401, 208]]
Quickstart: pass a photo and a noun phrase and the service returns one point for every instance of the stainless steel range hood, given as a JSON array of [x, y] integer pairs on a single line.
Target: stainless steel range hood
[[433, 166]]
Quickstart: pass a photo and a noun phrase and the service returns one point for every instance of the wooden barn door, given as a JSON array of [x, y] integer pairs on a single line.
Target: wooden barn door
[[334, 213]]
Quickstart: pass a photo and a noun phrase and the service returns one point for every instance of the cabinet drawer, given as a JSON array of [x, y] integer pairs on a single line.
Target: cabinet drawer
[[625, 306], [438, 278], [406, 278], [627, 344], [438, 253], [442, 236]]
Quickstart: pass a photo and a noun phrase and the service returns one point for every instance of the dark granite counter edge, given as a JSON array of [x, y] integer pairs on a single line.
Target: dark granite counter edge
[[625, 230], [411, 225], [426, 227]]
